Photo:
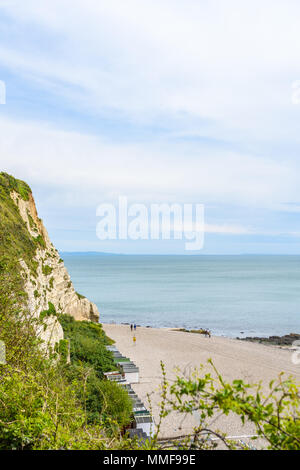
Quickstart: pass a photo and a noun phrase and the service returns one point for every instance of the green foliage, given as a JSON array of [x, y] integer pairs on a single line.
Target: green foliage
[[32, 224], [40, 410], [40, 241], [62, 348], [108, 401], [80, 296], [34, 266], [9, 183], [48, 313], [88, 342], [17, 326], [276, 415], [46, 270], [15, 240], [41, 406], [104, 401]]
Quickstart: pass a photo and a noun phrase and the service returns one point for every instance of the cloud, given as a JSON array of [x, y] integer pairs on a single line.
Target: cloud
[[227, 229], [228, 62], [91, 166]]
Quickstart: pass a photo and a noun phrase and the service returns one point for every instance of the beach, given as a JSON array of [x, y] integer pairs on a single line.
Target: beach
[[233, 358]]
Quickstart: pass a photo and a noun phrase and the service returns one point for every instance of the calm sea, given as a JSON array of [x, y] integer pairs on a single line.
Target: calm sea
[[256, 295]]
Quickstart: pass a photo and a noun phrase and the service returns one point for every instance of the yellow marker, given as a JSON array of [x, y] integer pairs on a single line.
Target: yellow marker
[[134, 339]]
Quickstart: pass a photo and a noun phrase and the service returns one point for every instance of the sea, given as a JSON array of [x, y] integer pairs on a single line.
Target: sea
[[234, 296]]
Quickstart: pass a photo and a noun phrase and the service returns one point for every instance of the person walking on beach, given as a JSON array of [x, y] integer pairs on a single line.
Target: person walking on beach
[[134, 327], [131, 327]]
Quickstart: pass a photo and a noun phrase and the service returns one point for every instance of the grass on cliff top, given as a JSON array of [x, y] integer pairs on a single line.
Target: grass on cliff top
[[12, 184], [15, 239]]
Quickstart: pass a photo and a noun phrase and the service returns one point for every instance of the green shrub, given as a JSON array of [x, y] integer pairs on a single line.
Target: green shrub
[[88, 342], [86, 328], [40, 241], [12, 184], [48, 313], [40, 410], [32, 223], [62, 348], [92, 352], [108, 402], [104, 401], [80, 296], [275, 415], [15, 240], [41, 407], [46, 270]]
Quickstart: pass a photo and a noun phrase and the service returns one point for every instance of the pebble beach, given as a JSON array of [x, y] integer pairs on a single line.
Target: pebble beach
[[233, 358]]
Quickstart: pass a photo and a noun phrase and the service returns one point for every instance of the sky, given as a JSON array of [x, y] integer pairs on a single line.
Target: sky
[[161, 101]]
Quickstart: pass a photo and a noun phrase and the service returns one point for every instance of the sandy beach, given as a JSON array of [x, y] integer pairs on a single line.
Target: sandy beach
[[233, 358]]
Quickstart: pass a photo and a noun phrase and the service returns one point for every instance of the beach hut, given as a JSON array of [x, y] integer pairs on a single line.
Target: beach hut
[[111, 348], [145, 423], [139, 434], [114, 376], [130, 371], [139, 409]]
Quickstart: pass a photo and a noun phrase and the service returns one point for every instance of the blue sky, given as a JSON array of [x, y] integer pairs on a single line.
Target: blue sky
[[161, 101]]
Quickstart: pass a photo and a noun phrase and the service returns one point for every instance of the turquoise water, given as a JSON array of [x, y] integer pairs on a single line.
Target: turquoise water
[[257, 295]]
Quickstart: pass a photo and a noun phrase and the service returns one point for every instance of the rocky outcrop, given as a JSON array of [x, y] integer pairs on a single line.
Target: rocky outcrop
[[286, 340], [50, 282]]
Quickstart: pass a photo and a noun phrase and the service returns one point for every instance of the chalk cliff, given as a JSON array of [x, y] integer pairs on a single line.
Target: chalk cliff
[[46, 280]]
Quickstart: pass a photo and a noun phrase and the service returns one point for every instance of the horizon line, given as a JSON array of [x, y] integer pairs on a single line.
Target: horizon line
[[108, 253]]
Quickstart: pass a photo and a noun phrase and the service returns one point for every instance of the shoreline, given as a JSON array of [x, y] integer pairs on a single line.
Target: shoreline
[[283, 341]]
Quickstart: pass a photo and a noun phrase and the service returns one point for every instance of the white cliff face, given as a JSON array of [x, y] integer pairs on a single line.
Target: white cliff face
[[51, 281]]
